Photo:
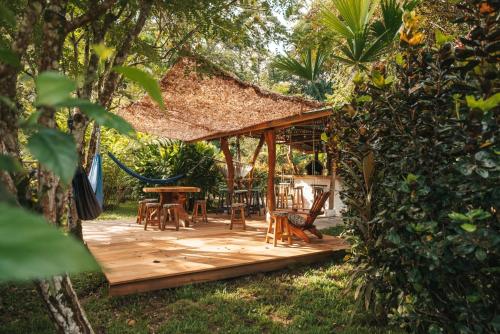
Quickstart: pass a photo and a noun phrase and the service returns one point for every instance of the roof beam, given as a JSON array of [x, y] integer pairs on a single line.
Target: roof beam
[[275, 124]]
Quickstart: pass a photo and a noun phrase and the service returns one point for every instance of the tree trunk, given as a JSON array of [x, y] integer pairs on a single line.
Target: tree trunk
[[64, 308], [57, 292], [9, 114], [230, 169], [110, 83]]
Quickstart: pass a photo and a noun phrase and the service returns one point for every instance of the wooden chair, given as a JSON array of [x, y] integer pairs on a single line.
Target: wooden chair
[[141, 209], [199, 204], [301, 222], [235, 208], [171, 213]]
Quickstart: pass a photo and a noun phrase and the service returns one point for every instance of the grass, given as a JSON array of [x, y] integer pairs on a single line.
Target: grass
[[304, 299]]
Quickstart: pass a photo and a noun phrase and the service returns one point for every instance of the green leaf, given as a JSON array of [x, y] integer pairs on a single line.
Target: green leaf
[[458, 217], [363, 99], [482, 172], [378, 79], [9, 164], [324, 137], [442, 38], [478, 214], [101, 116], [145, 80], [399, 59], [469, 227], [56, 151], [480, 254], [7, 56], [484, 105], [53, 88], [31, 248]]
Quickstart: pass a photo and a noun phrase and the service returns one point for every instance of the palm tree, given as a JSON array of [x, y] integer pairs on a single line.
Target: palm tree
[[309, 69], [365, 41]]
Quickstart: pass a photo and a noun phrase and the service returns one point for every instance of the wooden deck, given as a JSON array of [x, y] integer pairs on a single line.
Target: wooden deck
[[134, 260]]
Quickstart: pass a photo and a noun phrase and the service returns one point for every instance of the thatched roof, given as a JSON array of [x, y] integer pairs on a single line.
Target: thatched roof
[[205, 102]]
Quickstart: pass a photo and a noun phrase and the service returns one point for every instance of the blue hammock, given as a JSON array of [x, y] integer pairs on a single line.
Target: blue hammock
[[143, 178], [95, 178]]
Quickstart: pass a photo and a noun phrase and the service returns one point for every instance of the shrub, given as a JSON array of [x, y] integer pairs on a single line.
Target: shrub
[[165, 158], [420, 164]]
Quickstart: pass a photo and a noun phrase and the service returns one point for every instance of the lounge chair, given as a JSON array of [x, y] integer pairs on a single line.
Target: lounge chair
[[304, 221]]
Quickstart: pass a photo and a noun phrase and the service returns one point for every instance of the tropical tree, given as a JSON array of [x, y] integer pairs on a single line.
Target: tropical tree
[[309, 70], [365, 39]]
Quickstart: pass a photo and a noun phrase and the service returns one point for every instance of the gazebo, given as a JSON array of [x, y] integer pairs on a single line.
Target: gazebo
[[205, 102]]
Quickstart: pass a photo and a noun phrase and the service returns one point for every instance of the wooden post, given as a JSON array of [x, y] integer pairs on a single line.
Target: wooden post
[[230, 168], [270, 137]]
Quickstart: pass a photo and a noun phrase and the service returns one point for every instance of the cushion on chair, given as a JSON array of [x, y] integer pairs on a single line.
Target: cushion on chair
[[296, 220]]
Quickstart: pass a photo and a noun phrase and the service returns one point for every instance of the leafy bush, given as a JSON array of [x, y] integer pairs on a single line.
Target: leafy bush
[[420, 164], [165, 158]]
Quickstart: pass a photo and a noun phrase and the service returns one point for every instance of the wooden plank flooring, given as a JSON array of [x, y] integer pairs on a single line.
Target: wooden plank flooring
[[134, 260]]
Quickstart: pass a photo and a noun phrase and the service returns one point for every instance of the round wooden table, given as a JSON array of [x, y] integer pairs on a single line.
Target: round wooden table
[[174, 194]]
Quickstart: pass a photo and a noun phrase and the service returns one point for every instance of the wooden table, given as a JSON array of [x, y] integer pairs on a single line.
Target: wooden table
[[174, 194]]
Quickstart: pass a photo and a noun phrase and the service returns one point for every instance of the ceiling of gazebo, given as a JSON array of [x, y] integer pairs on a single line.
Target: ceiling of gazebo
[[205, 102]]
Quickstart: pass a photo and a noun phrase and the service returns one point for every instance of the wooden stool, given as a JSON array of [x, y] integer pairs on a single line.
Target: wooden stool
[[171, 213], [141, 209], [199, 204], [280, 222], [298, 198], [234, 219], [153, 214]]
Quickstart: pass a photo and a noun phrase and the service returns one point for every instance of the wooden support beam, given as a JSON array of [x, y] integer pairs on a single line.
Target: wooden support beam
[[224, 144], [274, 124], [270, 137]]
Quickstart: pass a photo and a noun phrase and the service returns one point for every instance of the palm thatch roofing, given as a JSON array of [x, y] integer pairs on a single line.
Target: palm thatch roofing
[[205, 102]]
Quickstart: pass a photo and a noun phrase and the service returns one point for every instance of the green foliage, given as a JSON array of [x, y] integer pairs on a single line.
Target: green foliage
[[53, 88], [32, 249], [364, 41], [164, 158], [308, 70], [101, 116], [422, 212], [56, 151], [145, 80]]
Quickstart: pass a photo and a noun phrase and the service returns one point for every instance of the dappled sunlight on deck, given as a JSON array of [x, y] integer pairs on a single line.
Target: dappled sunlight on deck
[[135, 260]]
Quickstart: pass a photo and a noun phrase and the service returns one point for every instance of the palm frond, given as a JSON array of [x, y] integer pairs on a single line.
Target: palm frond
[[365, 41]]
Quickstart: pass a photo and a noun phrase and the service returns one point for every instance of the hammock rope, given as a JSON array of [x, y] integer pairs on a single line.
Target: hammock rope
[[153, 180]]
